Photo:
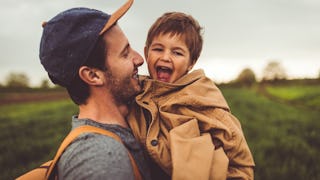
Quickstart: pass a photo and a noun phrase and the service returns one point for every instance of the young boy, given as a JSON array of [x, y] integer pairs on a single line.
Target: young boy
[[182, 118]]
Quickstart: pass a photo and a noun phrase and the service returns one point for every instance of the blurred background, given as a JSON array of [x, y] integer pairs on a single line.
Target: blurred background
[[264, 55]]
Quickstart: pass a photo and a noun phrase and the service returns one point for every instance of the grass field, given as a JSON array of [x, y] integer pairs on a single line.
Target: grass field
[[284, 138], [307, 96], [30, 134]]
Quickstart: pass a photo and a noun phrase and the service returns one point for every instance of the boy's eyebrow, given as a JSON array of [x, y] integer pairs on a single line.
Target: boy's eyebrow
[[175, 48], [156, 44], [179, 48]]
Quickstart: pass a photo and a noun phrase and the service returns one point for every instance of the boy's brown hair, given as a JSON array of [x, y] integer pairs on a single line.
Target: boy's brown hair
[[178, 23]]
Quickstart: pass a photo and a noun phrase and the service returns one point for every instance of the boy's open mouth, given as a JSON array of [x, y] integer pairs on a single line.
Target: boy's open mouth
[[163, 73]]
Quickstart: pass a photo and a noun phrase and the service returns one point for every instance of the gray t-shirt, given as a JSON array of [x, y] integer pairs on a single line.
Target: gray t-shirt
[[96, 156]]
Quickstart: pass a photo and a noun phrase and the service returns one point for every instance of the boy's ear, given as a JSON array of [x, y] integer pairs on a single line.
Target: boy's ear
[[91, 76], [146, 53], [191, 65]]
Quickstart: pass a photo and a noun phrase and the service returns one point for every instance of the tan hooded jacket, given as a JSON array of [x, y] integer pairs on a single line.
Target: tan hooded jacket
[[187, 128]]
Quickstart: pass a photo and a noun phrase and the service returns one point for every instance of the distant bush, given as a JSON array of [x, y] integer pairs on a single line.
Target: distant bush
[[246, 77], [17, 80], [274, 71]]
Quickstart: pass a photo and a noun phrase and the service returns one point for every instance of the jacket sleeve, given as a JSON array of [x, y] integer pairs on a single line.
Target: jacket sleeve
[[230, 134], [241, 165], [225, 132]]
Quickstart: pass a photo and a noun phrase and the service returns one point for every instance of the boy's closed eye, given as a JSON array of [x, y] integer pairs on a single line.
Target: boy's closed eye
[[157, 49], [178, 53]]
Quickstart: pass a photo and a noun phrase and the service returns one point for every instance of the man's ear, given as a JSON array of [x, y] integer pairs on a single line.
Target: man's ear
[[91, 76]]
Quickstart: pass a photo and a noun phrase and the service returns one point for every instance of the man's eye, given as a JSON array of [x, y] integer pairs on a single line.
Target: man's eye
[[125, 55]]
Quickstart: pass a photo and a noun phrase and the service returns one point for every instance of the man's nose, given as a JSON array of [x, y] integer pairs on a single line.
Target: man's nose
[[137, 60]]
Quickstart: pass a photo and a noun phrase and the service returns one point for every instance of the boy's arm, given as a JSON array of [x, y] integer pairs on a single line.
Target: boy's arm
[[242, 163]]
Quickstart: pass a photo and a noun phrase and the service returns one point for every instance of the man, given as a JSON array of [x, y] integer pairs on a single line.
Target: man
[[85, 51]]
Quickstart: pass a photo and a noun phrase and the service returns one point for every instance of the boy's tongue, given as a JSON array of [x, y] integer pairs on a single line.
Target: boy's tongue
[[163, 75]]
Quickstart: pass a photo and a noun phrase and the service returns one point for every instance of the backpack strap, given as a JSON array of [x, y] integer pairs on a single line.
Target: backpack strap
[[89, 129]]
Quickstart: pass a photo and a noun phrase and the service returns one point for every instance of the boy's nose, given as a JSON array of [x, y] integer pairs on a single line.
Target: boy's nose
[[166, 56]]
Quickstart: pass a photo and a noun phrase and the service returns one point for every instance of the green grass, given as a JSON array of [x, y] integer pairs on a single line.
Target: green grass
[[31, 133], [294, 92], [284, 139], [303, 95]]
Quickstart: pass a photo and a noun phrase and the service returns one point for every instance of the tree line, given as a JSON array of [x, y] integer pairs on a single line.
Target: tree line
[[273, 72]]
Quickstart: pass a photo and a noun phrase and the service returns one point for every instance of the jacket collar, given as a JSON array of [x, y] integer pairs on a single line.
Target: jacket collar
[[193, 80]]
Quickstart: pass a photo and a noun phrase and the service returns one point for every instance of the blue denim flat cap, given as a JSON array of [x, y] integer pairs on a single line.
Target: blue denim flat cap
[[69, 37]]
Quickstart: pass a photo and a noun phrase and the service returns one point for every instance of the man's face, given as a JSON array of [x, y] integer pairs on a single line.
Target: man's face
[[122, 64]]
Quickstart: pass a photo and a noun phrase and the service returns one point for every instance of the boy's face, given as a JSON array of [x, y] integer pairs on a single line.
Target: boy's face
[[168, 58]]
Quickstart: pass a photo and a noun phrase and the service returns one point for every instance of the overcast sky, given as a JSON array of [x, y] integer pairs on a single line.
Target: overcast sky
[[237, 33]]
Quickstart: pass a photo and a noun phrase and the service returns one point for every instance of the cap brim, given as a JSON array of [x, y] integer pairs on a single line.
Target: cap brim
[[116, 15]]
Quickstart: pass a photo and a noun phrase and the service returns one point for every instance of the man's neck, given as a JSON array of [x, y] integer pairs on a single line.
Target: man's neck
[[102, 111]]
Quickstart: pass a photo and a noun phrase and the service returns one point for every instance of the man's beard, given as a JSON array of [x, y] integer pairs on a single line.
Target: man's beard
[[121, 88]]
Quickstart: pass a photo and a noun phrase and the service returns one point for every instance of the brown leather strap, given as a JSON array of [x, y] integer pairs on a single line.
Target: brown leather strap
[[89, 129]]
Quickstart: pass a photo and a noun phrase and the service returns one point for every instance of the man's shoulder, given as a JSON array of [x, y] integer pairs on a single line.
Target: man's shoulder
[[94, 140], [95, 153], [92, 144]]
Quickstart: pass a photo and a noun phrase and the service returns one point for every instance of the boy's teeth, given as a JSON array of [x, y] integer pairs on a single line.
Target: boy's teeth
[[162, 68]]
